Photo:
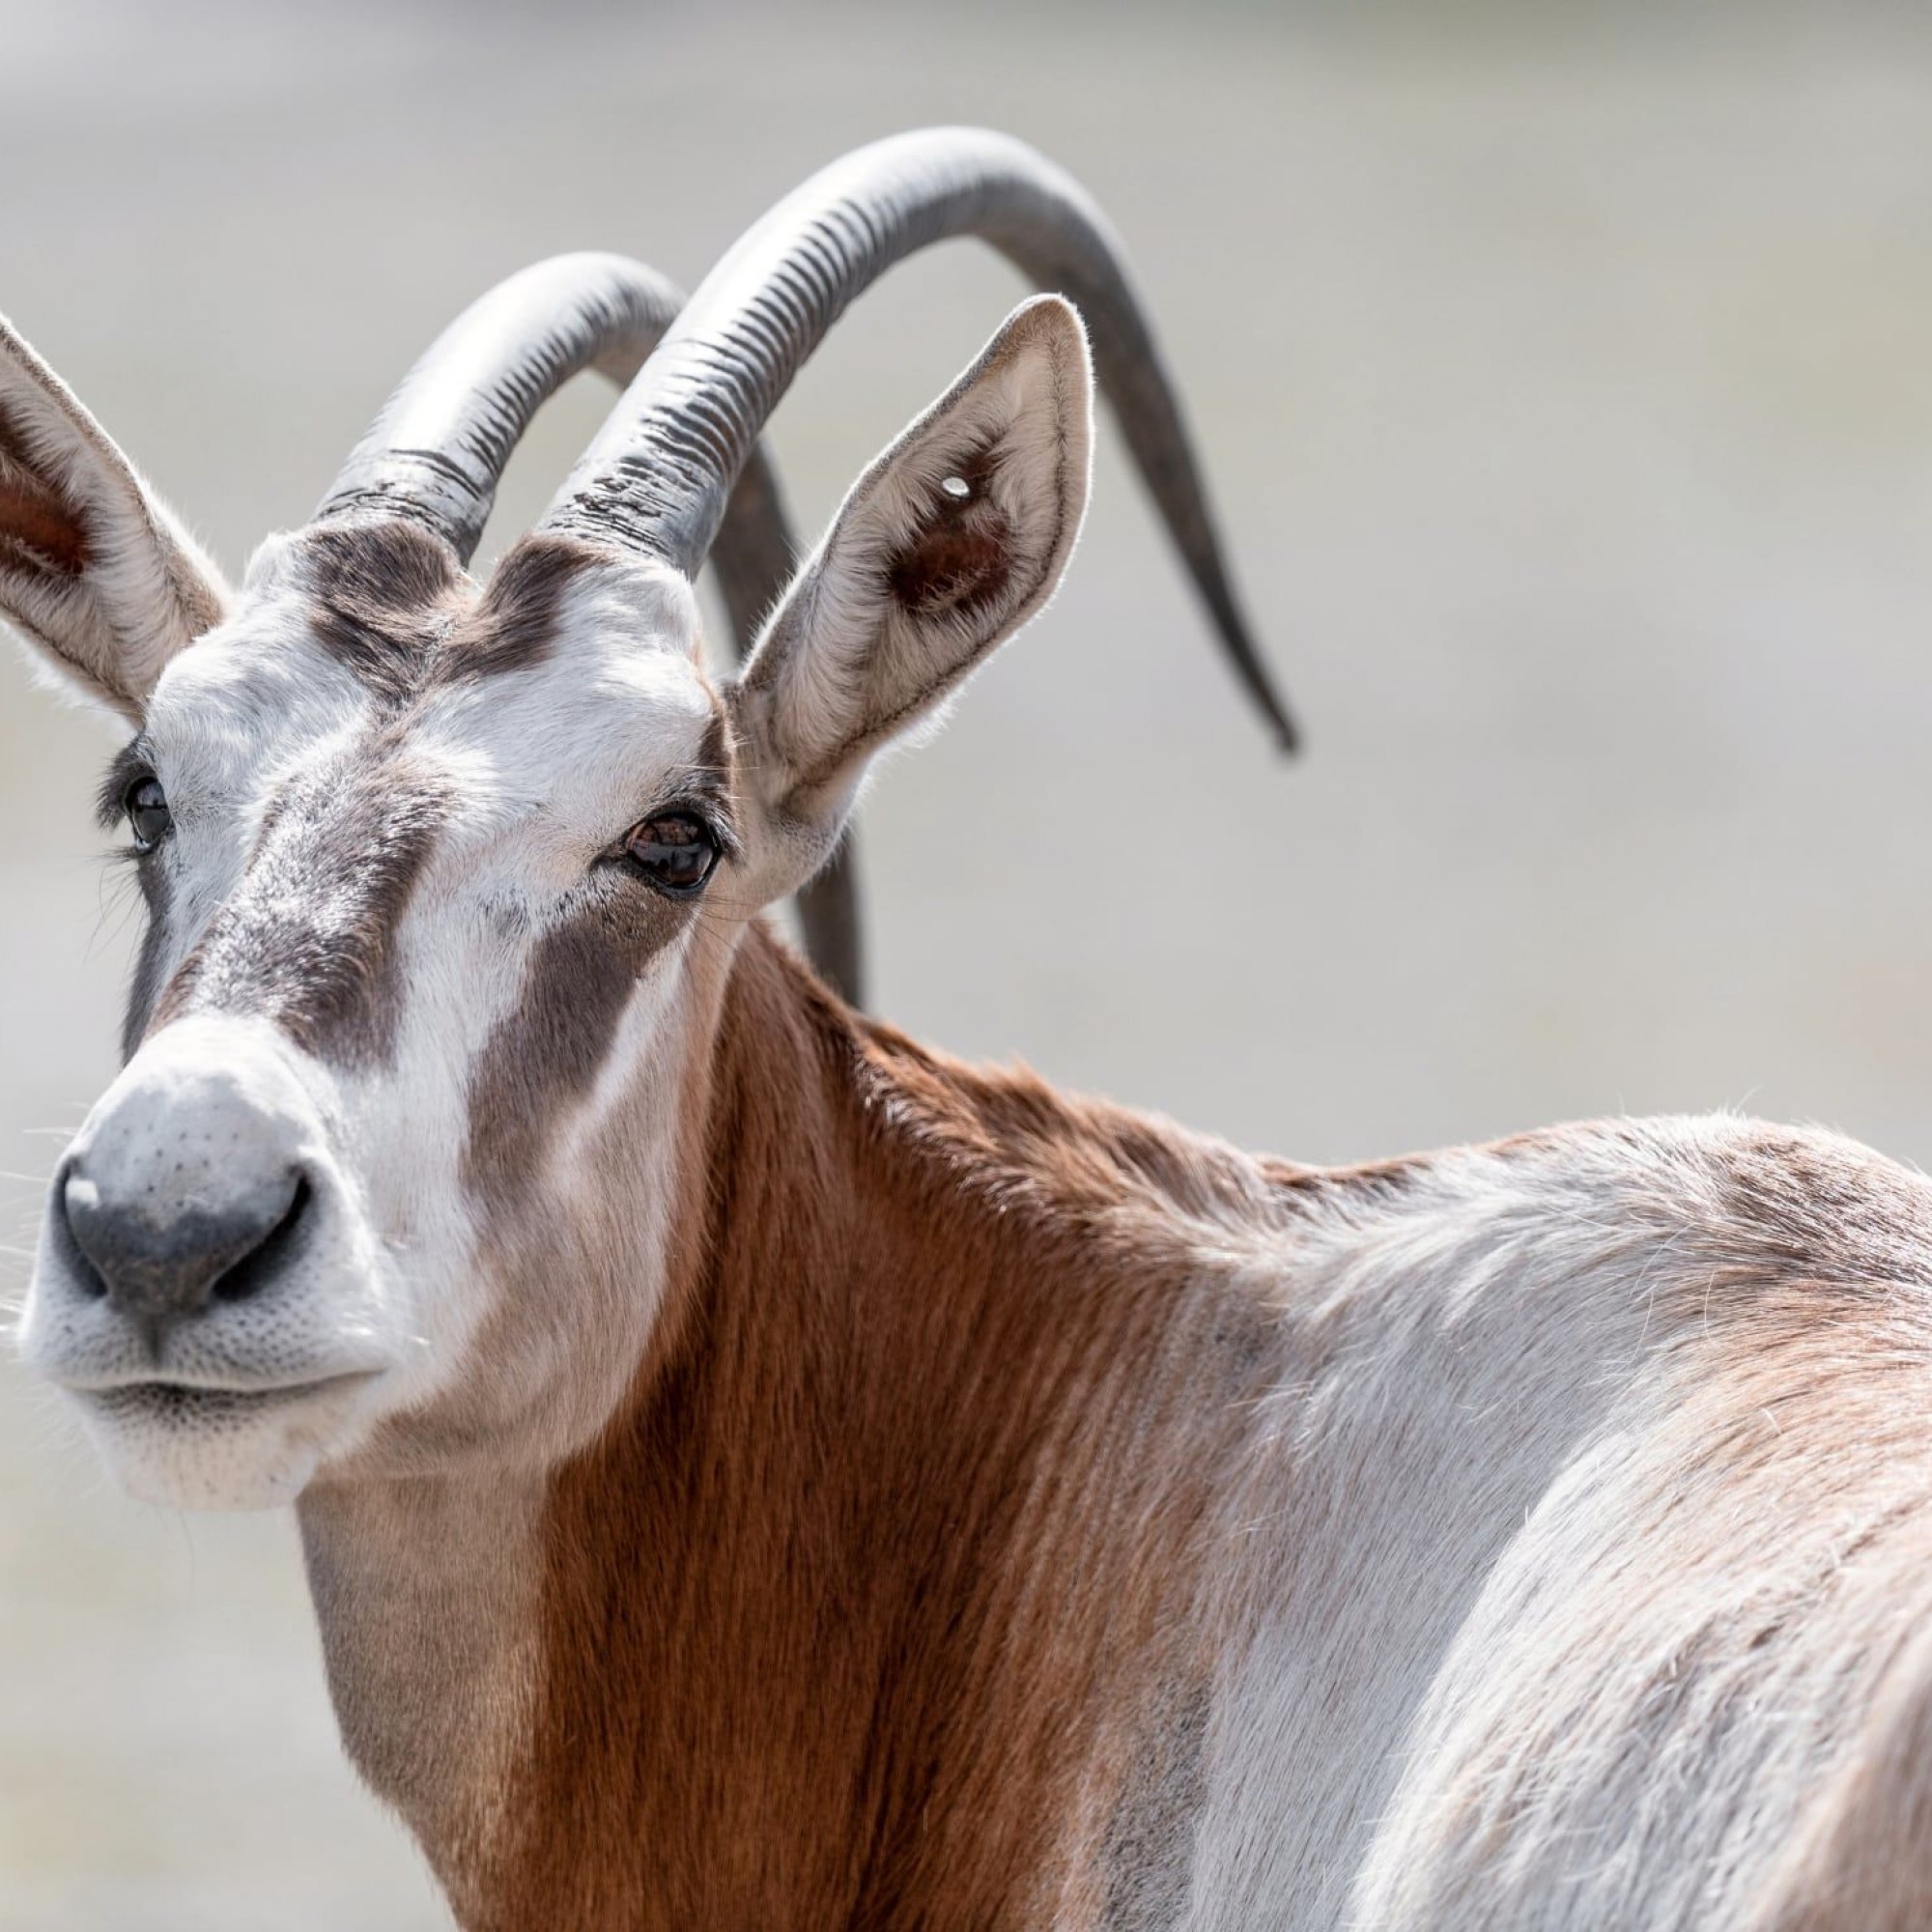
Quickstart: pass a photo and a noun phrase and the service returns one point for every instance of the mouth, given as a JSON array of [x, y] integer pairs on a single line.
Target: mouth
[[212, 1443], [199, 1405]]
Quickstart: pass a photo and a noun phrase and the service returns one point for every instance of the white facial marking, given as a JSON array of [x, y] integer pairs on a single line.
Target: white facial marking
[[376, 1309], [550, 766], [232, 1406]]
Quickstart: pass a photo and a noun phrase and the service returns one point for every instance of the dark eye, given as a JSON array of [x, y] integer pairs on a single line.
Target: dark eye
[[675, 853], [148, 813]]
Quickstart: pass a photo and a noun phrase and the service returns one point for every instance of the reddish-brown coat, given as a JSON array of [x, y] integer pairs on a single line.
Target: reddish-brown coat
[[852, 1610]]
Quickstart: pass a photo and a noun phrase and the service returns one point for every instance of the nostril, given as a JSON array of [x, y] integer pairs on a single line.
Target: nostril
[[80, 1203], [254, 1271]]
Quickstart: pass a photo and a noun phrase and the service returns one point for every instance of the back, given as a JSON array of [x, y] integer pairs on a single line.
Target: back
[[1596, 1508]]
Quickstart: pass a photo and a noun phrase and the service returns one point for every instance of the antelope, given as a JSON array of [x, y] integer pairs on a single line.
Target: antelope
[[755, 1470]]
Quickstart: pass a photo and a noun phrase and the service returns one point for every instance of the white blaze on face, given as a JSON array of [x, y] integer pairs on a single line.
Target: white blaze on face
[[548, 768]]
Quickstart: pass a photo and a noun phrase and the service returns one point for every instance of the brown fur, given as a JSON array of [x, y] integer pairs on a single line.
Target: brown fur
[[799, 1606], [38, 531], [960, 558], [40, 527]]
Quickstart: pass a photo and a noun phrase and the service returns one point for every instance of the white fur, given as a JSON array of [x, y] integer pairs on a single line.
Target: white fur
[[207, 1102], [1538, 1619]]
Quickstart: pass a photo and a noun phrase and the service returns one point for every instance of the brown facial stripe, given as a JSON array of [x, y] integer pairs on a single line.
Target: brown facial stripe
[[146, 983], [308, 940], [111, 809], [545, 1055]]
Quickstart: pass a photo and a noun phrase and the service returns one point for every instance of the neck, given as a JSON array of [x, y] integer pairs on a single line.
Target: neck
[[936, 1434]]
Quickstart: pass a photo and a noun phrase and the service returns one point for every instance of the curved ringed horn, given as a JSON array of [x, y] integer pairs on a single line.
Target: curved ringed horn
[[436, 454], [657, 477]]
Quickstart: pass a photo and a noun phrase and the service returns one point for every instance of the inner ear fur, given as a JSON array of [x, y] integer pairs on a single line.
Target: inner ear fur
[[94, 569], [948, 543]]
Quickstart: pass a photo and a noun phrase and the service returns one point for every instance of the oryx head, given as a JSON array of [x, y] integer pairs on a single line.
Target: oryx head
[[445, 878]]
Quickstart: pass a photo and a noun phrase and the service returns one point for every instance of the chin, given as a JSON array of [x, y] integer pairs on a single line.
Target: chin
[[220, 1449]]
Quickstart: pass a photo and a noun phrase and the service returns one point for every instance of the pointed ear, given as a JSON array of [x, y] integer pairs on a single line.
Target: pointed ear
[[947, 544], [94, 569]]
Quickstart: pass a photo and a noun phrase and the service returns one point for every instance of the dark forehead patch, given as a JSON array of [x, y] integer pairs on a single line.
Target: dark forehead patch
[[515, 624], [391, 603], [308, 941], [382, 595]]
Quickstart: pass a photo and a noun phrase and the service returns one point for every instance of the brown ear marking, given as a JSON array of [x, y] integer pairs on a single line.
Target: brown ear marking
[[960, 556], [41, 530], [38, 532]]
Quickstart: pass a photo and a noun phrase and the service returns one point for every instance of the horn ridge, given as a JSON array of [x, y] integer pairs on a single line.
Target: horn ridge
[[436, 453], [657, 477]]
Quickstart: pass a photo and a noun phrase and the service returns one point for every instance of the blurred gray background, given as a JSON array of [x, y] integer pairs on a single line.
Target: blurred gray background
[[1565, 374]]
